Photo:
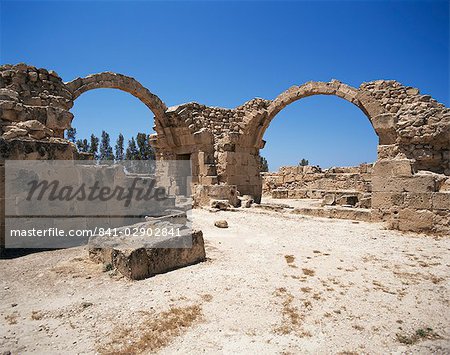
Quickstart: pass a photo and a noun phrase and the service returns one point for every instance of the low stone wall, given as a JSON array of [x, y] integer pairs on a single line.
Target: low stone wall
[[397, 194], [409, 200], [300, 181]]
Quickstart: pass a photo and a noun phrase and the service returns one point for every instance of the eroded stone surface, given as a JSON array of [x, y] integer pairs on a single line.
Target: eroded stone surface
[[140, 257]]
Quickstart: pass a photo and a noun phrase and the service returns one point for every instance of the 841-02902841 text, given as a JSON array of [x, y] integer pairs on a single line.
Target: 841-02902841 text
[[139, 232], [98, 231]]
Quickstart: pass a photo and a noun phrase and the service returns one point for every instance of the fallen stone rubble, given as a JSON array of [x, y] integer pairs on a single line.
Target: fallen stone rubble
[[137, 255]]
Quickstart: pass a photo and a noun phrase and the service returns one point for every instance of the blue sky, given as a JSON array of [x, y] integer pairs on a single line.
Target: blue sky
[[225, 53]]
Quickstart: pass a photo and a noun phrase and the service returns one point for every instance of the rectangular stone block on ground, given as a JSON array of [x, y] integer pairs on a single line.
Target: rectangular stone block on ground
[[140, 257]]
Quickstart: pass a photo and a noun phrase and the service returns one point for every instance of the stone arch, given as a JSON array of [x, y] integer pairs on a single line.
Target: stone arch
[[382, 122], [124, 83]]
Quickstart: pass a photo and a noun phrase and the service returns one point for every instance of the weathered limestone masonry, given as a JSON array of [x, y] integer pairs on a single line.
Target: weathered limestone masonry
[[337, 185], [410, 178]]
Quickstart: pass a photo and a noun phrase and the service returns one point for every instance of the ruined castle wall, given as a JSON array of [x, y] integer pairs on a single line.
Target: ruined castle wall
[[34, 103], [219, 121], [296, 181], [223, 144], [410, 200], [422, 125]]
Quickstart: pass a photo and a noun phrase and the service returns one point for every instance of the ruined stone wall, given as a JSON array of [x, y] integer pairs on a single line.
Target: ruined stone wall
[[409, 200], [223, 144], [219, 121], [34, 103], [422, 125], [26, 148], [296, 181]]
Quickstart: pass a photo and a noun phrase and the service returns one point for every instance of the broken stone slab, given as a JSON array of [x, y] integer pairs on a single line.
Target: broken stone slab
[[139, 257], [347, 200], [278, 207], [204, 194], [246, 201], [173, 216], [222, 205]]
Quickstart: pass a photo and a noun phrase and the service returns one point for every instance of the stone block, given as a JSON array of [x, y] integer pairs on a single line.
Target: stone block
[[415, 220], [315, 194], [242, 180], [415, 183], [279, 193], [384, 125], [208, 180], [246, 201], [279, 180], [208, 169], [204, 194], [441, 222], [441, 201], [221, 223], [309, 169], [385, 200], [393, 167], [203, 137], [138, 263], [335, 212], [299, 193], [58, 119], [418, 200], [9, 115]]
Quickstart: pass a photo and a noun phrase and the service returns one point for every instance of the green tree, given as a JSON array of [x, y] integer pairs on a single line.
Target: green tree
[[132, 152], [93, 146], [106, 151], [263, 165], [145, 150], [303, 162], [119, 148], [83, 145], [71, 134]]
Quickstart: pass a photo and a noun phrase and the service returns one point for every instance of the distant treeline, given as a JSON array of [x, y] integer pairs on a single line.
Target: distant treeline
[[137, 148]]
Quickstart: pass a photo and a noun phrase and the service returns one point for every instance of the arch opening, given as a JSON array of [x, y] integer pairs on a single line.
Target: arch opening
[[120, 82], [325, 130], [365, 103], [335, 148], [112, 111]]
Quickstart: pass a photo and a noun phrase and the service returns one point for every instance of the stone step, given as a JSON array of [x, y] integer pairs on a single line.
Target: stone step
[[357, 214]]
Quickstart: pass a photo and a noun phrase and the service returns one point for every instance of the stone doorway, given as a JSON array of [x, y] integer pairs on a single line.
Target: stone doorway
[[183, 183]]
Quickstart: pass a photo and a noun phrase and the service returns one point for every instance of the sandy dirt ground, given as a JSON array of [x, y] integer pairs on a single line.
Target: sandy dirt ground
[[273, 283]]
